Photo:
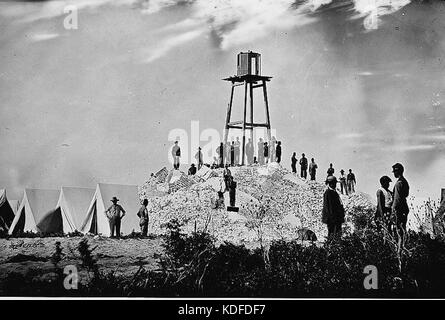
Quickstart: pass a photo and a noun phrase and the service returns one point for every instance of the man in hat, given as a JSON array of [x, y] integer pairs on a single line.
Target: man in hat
[[278, 152], [384, 204], [198, 157], [303, 165], [333, 213], [249, 151], [115, 213], [313, 169], [401, 191], [176, 154], [342, 178], [350, 180]]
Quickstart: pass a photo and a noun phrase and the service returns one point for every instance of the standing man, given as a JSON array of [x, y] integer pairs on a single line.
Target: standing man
[[342, 178], [261, 151], [333, 211], [237, 151], [249, 151], [278, 152], [176, 154], [313, 169], [115, 213], [232, 154], [401, 191], [294, 163], [198, 157], [143, 218], [351, 181], [266, 153], [303, 164], [272, 152]]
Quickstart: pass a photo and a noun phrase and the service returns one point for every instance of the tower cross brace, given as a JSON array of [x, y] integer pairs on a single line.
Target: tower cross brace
[[250, 82]]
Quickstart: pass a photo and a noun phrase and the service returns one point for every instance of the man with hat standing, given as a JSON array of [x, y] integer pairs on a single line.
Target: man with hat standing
[[115, 213], [333, 211], [401, 191]]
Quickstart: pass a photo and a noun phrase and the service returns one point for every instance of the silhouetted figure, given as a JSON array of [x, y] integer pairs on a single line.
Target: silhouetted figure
[[313, 169], [266, 153], [237, 151], [401, 191], [293, 162], [384, 205], [143, 218], [272, 148], [261, 151], [330, 170], [342, 178], [350, 180], [198, 157], [115, 213], [176, 154], [303, 165], [278, 152], [249, 151], [333, 211]]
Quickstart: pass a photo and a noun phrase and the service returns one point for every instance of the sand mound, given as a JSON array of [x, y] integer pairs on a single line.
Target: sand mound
[[273, 204]]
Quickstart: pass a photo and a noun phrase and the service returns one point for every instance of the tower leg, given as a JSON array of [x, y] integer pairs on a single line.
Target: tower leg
[[229, 111], [266, 104], [243, 154], [251, 114]]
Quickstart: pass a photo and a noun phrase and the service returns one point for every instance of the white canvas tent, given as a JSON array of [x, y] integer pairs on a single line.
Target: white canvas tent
[[33, 210], [96, 221], [6, 212], [73, 203]]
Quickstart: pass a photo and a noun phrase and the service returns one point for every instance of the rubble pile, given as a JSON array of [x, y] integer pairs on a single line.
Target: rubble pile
[[273, 204]]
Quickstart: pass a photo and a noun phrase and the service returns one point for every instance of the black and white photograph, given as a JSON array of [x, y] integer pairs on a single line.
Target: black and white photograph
[[222, 149]]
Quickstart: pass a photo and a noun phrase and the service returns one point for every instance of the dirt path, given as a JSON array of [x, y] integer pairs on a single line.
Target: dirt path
[[33, 255]]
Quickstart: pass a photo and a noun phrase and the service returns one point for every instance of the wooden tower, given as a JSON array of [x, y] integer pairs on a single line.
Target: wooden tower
[[249, 76]]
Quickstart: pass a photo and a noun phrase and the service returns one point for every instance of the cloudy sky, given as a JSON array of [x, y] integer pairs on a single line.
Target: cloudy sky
[[359, 83]]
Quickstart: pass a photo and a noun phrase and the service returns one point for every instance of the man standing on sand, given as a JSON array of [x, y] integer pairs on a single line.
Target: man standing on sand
[[115, 213], [249, 151], [198, 157], [342, 178], [261, 151], [237, 151], [294, 161], [313, 169], [333, 211], [350, 180], [143, 218], [278, 152], [176, 154], [303, 164], [266, 153], [401, 191]]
